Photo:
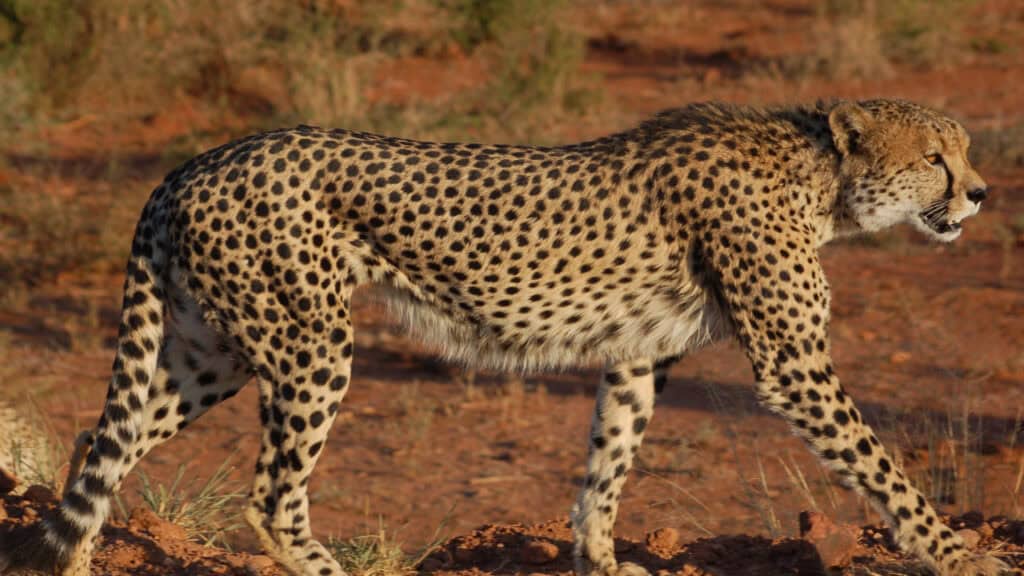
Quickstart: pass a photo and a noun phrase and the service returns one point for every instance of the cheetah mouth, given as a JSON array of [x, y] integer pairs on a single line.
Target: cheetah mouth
[[936, 219], [940, 226]]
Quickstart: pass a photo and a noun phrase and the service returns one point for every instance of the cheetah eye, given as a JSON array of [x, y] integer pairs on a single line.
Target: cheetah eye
[[933, 159]]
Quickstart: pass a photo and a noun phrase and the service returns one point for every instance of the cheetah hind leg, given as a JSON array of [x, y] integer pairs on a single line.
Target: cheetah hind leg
[[278, 508], [255, 515], [81, 555]]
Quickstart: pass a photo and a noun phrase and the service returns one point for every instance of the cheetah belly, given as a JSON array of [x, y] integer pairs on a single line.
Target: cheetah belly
[[656, 325]]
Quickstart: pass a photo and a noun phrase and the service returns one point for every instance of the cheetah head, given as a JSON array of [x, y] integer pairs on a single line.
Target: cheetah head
[[903, 163]]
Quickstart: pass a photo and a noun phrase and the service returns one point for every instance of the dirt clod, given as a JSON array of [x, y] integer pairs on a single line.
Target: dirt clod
[[538, 552], [39, 494], [836, 544], [663, 540], [144, 520]]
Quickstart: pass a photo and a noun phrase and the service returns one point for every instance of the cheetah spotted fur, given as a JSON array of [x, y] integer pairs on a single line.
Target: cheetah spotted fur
[[700, 224]]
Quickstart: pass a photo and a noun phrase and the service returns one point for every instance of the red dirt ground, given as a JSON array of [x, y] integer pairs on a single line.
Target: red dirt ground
[[145, 545], [927, 338]]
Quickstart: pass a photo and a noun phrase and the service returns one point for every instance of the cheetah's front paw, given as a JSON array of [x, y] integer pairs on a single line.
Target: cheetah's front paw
[[631, 569], [587, 568]]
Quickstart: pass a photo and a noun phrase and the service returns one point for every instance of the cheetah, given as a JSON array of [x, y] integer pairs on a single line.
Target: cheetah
[[700, 224]]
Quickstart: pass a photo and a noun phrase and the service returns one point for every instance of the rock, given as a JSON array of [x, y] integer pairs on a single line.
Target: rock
[[39, 493], [538, 552], [8, 482], [663, 539], [836, 544], [970, 537]]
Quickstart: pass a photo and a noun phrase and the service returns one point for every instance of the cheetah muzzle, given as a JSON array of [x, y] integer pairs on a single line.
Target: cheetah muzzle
[[701, 224]]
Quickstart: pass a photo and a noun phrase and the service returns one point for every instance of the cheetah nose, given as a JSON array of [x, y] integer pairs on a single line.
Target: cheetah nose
[[977, 195]]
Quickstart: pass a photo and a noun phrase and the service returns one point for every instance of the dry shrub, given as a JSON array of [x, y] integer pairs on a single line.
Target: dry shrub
[[999, 147], [280, 61], [849, 42], [925, 33], [42, 235], [866, 38]]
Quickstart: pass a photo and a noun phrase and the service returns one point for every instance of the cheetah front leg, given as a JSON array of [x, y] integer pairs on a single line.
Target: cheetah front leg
[[786, 340], [625, 404]]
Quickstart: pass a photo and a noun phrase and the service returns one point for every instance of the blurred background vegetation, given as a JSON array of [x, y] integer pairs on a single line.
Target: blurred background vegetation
[[277, 62]]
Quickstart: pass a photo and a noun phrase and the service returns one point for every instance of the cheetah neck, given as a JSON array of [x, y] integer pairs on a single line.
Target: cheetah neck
[[785, 154], [810, 175]]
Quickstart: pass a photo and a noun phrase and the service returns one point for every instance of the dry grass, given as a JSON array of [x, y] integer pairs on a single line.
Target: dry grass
[[849, 41], [942, 459], [43, 235], [415, 416], [869, 38], [380, 554], [286, 61], [998, 147], [29, 446], [207, 510]]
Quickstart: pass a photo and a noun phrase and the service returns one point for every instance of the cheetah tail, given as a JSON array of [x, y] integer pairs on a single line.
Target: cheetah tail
[[66, 540]]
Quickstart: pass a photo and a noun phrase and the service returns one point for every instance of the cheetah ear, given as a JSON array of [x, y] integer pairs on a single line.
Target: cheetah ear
[[848, 121]]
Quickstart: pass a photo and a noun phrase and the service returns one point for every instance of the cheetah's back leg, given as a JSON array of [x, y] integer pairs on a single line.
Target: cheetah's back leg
[[194, 372], [298, 404]]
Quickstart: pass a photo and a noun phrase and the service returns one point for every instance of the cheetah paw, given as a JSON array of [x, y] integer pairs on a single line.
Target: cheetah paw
[[980, 565], [631, 569], [585, 568]]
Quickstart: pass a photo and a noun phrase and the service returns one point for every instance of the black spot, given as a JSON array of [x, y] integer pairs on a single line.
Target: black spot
[[864, 447], [639, 424]]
